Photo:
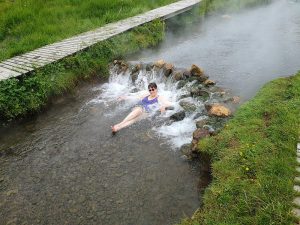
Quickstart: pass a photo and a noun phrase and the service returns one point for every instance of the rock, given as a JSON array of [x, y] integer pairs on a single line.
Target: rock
[[202, 78], [209, 82], [201, 123], [236, 99], [134, 76], [178, 75], [160, 63], [196, 71], [188, 106], [186, 150], [187, 74], [181, 84], [199, 92], [200, 133], [210, 129], [217, 110], [149, 66], [136, 68], [178, 116], [168, 69]]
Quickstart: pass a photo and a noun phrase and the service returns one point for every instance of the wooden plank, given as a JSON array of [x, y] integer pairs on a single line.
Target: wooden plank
[[15, 69], [22, 67], [6, 73], [20, 61]]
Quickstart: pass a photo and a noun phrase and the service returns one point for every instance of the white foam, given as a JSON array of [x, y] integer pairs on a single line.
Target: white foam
[[178, 133]]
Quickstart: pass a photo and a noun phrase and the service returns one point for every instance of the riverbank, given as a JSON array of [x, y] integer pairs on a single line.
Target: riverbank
[[28, 94], [253, 160]]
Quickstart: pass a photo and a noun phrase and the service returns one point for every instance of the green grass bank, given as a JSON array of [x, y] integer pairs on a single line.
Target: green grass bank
[[28, 94], [27, 25], [254, 159]]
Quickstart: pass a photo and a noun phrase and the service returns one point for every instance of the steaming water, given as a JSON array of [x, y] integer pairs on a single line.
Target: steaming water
[[240, 51], [64, 167]]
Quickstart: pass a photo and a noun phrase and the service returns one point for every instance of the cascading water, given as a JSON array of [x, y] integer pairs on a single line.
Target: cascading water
[[122, 83]]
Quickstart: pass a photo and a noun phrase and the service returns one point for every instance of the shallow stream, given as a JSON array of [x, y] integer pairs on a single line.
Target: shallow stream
[[65, 167]]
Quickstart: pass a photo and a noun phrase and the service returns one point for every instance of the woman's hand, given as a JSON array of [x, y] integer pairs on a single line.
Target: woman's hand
[[162, 109]]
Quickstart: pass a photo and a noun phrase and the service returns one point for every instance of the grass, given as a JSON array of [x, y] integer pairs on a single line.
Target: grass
[[28, 94], [253, 160], [28, 24]]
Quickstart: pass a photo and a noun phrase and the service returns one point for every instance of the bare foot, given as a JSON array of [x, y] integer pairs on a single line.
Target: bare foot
[[113, 129]]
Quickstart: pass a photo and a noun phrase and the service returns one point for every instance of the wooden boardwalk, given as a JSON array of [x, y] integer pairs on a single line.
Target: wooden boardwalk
[[40, 57]]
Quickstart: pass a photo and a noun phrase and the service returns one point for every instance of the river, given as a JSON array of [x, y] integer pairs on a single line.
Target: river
[[64, 167]]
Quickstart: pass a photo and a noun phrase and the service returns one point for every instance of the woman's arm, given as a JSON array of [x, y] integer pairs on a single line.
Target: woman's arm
[[163, 103]]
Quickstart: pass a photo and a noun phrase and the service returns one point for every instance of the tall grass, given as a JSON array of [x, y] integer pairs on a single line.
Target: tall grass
[[29, 24]]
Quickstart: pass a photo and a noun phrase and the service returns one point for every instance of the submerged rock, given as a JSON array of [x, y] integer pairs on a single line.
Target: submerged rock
[[188, 106], [178, 116]]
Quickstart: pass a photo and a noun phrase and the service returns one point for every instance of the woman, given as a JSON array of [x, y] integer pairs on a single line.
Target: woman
[[147, 103]]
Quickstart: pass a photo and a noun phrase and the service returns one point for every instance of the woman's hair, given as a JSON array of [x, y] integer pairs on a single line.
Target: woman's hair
[[152, 85]]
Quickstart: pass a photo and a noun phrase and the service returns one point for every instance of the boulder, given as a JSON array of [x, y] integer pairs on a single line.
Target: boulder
[[188, 106], [186, 150], [209, 82], [178, 116], [200, 133], [196, 71], [181, 84], [134, 76], [201, 123], [149, 66], [187, 74], [178, 75], [217, 110], [160, 63], [168, 69]]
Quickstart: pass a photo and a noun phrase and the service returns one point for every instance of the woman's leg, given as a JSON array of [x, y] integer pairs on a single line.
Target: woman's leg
[[132, 117]]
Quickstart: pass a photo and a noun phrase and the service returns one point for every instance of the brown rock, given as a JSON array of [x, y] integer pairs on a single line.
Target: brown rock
[[196, 71], [168, 69], [218, 110], [200, 133], [160, 63], [236, 99], [209, 82], [178, 75], [201, 123]]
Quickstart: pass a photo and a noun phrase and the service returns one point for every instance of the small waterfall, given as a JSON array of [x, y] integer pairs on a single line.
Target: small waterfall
[[132, 79]]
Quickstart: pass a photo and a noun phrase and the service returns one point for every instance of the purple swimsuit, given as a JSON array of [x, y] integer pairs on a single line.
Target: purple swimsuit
[[145, 103]]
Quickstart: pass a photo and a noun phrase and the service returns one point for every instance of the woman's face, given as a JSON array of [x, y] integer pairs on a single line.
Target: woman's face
[[152, 91]]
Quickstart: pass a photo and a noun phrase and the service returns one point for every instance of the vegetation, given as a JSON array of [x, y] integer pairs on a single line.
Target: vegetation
[[253, 160], [27, 25], [19, 96]]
